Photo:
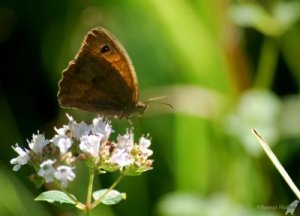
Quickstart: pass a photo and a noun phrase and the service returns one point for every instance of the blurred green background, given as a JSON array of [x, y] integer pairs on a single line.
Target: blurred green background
[[226, 66]]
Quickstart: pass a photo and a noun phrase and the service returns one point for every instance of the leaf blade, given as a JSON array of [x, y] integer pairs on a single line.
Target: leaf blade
[[57, 196], [111, 198]]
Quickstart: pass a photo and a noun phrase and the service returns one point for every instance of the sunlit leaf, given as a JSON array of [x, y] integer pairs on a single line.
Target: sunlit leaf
[[111, 198], [56, 196]]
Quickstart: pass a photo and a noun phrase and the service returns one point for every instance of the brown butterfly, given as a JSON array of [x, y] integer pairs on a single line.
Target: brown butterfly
[[101, 78]]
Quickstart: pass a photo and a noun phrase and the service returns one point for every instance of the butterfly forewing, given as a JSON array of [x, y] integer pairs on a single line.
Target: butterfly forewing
[[101, 78]]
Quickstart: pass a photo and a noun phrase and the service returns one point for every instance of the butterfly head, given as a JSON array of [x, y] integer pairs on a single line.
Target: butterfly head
[[133, 112], [141, 107]]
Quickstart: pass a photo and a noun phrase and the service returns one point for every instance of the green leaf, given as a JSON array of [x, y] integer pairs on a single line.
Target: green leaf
[[254, 15], [287, 13], [56, 196], [111, 198], [283, 15]]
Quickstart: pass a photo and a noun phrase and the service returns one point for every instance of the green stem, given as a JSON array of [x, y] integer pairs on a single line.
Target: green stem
[[267, 64], [98, 201], [90, 190]]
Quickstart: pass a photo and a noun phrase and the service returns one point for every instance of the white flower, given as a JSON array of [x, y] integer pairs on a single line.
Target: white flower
[[72, 122], [102, 127], [121, 154], [37, 143], [65, 128], [71, 119], [90, 144], [81, 129], [121, 158], [22, 159], [125, 142], [144, 144], [63, 142], [62, 131], [64, 174], [77, 129], [47, 170]]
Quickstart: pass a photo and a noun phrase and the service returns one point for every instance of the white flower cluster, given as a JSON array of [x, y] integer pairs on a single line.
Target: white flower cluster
[[54, 160]]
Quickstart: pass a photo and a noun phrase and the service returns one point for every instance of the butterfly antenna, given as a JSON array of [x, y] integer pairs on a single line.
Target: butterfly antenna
[[156, 100]]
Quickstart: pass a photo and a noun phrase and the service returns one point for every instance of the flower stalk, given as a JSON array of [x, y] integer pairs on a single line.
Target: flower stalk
[[90, 189]]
